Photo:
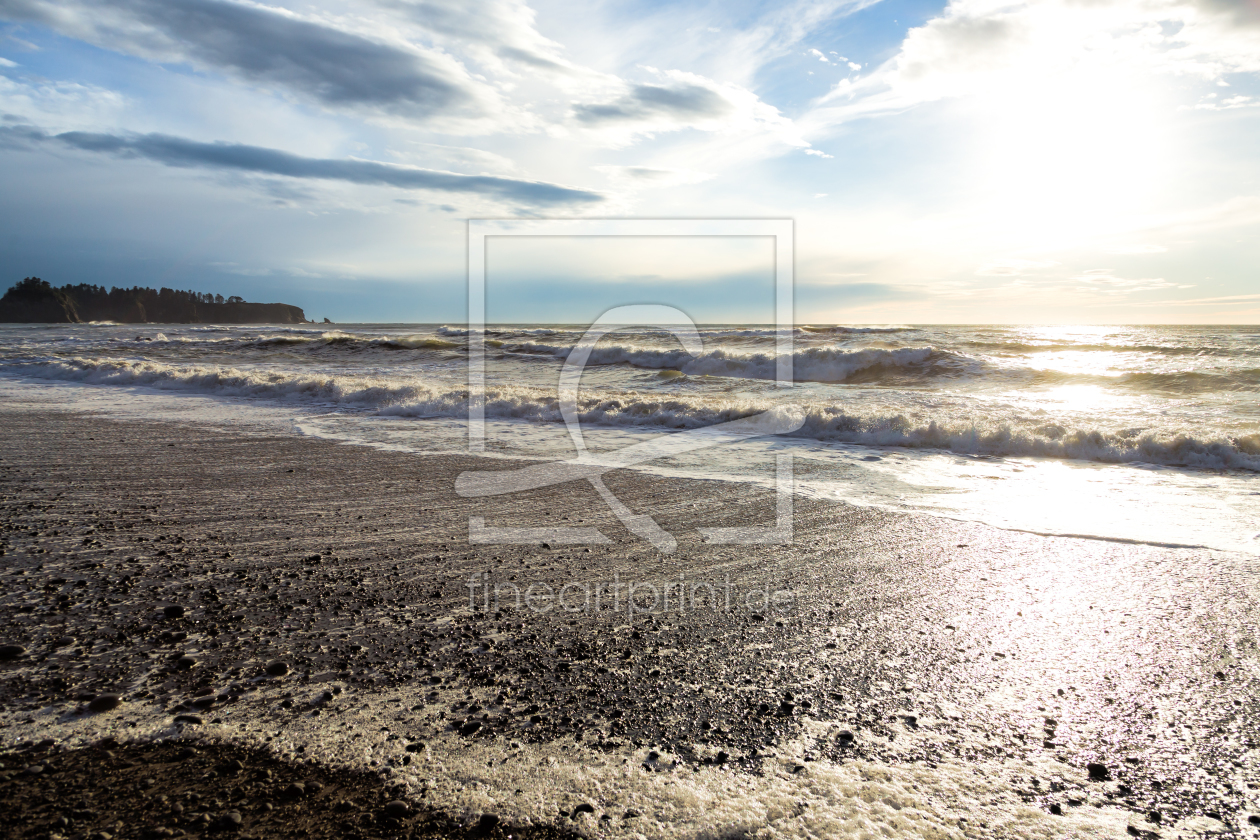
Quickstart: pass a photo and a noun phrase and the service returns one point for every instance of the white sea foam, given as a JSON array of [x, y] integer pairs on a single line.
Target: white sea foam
[[530, 784], [810, 364], [416, 397]]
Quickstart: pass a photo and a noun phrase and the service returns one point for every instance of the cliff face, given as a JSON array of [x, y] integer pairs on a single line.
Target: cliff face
[[250, 313], [34, 301]]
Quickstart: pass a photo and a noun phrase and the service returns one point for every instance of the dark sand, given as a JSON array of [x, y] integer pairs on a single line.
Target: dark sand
[[919, 642]]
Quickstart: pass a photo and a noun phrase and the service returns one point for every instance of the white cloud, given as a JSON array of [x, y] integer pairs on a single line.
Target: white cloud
[[1013, 267], [818, 153], [641, 177], [4, 62], [821, 57], [674, 100], [1135, 249], [1106, 281], [983, 46]]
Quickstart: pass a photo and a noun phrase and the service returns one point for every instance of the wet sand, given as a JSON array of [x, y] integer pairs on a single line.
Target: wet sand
[[916, 676]]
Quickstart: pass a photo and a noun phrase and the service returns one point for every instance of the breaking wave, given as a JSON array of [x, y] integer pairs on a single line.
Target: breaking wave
[[811, 364], [417, 398]]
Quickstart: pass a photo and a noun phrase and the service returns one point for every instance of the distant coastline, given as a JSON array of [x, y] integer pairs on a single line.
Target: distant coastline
[[35, 301]]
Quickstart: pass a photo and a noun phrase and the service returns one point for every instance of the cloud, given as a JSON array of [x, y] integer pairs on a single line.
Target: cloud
[[821, 57], [1037, 48], [1226, 104], [682, 104], [505, 28], [818, 153], [678, 101], [1012, 267], [233, 157], [640, 177], [1237, 12], [1135, 249], [1105, 281], [272, 47], [4, 62]]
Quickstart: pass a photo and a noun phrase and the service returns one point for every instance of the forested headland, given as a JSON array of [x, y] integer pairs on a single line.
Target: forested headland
[[35, 301]]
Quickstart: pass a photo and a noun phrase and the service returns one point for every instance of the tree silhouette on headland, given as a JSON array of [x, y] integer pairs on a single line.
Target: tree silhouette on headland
[[33, 300]]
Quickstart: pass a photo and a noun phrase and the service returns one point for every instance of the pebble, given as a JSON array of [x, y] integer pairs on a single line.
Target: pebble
[[486, 824], [1097, 772], [105, 702], [397, 809], [295, 791], [191, 719], [470, 728], [11, 651], [584, 808], [173, 611], [186, 662], [230, 820], [276, 668]]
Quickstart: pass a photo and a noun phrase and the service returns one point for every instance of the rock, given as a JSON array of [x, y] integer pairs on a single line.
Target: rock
[[630, 815], [8, 652], [295, 791], [105, 702], [397, 810], [313, 787], [173, 611], [276, 668], [194, 720], [845, 737], [1254, 819], [584, 808], [1056, 809], [1097, 772], [1157, 817], [486, 824], [415, 747], [34, 769], [186, 662], [229, 821], [470, 728]]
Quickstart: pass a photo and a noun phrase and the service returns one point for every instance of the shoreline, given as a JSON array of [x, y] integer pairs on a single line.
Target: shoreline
[[938, 646]]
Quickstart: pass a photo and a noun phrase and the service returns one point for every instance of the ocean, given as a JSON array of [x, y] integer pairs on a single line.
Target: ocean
[[1144, 434]]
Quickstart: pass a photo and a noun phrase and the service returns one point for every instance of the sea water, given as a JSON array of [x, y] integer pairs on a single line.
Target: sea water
[[1144, 434]]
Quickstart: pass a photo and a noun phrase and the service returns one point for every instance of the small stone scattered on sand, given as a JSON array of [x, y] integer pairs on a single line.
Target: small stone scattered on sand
[[105, 702], [276, 668], [1097, 772]]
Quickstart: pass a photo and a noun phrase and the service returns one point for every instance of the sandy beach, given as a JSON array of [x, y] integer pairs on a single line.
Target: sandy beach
[[315, 611]]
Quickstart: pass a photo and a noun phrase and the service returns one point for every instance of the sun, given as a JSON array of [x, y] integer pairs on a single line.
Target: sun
[[1070, 144]]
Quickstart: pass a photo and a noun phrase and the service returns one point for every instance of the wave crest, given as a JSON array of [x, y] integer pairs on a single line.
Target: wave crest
[[1000, 437]]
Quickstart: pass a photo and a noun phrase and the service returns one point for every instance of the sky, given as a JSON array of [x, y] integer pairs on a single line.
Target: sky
[[972, 161]]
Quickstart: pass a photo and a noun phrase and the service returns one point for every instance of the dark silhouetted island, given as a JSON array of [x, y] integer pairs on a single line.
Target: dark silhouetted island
[[35, 301]]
